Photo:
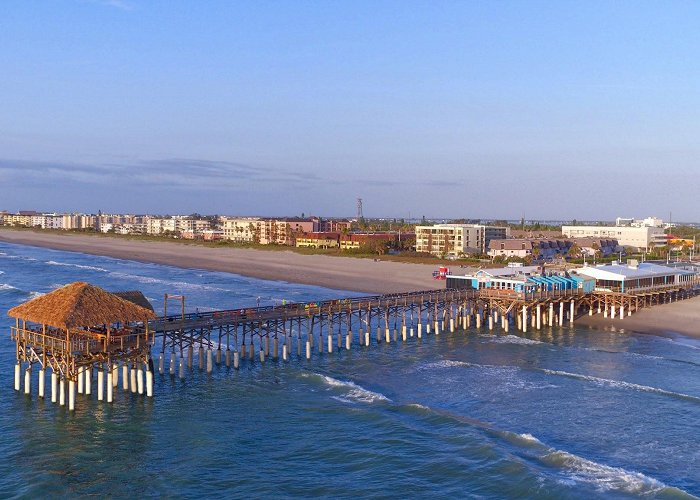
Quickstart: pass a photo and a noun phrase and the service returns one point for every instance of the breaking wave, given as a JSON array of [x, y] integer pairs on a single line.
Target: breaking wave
[[179, 284], [79, 266], [354, 393], [619, 384], [576, 469], [511, 339]]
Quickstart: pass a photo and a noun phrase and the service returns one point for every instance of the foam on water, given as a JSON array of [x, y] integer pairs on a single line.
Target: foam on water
[[7, 286], [79, 266], [576, 469], [178, 284], [620, 384], [354, 392], [511, 339]]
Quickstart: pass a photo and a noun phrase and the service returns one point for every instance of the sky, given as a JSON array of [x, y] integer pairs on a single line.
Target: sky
[[498, 109]]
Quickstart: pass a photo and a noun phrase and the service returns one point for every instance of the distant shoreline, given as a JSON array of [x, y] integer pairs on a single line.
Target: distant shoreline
[[342, 273]]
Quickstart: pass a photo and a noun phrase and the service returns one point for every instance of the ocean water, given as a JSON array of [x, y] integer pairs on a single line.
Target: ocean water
[[561, 413]]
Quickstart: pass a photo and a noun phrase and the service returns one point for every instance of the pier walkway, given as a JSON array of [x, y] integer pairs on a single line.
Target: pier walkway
[[83, 348]]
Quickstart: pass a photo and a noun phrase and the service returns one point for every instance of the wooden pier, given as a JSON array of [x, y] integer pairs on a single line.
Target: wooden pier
[[109, 334]]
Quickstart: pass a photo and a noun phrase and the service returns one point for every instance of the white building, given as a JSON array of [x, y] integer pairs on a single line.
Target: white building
[[634, 276], [648, 222], [456, 240], [640, 238]]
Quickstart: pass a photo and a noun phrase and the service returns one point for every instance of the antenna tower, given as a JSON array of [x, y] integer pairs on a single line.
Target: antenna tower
[[359, 209]]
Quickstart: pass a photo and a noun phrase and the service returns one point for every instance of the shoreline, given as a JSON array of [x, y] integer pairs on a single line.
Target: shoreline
[[341, 273], [665, 320]]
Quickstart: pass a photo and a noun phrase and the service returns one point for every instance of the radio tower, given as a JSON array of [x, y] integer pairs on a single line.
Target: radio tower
[[359, 209]]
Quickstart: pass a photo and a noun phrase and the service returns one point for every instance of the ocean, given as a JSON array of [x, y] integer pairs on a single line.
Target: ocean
[[560, 413]]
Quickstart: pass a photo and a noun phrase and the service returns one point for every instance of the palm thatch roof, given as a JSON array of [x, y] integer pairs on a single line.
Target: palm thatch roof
[[80, 304], [136, 297]]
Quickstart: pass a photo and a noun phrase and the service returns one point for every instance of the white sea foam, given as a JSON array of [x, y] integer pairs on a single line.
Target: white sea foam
[[511, 339], [449, 363], [6, 286], [79, 266], [178, 284], [354, 393], [620, 384], [602, 477], [34, 295], [576, 469]]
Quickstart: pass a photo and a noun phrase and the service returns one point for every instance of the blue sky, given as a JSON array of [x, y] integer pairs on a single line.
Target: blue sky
[[491, 109]]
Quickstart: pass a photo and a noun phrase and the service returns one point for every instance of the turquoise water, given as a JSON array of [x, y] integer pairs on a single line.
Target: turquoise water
[[562, 413]]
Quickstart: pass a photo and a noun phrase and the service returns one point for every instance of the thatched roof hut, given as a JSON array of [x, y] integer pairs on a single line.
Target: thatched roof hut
[[80, 305], [136, 297]]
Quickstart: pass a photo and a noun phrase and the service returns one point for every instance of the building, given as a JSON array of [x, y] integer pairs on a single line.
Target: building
[[456, 240], [520, 279], [600, 247], [648, 222], [639, 238], [18, 220], [520, 248], [331, 225], [318, 240], [357, 241], [634, 276]]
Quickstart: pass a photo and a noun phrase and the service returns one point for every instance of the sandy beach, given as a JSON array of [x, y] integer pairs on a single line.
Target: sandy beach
[[677, 317], [345, 273]]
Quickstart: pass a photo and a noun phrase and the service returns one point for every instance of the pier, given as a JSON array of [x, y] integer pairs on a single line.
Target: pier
[[94, 341]]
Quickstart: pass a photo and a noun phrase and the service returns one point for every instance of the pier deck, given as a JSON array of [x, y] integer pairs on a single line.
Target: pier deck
[[75, 353]]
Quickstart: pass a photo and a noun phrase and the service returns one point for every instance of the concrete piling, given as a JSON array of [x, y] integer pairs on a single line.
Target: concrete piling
[[42, 382], [125, 376], [100, 383], [28, 380], [149, 383], [110, 384], [62, 391], [71, 395], [54, 386]]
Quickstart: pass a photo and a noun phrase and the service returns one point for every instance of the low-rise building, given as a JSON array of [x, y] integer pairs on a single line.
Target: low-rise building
[[318, 240], [639, 238], [357, 241], [634, 276]]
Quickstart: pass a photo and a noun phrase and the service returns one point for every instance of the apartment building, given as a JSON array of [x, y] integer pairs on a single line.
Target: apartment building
[[455, 240]]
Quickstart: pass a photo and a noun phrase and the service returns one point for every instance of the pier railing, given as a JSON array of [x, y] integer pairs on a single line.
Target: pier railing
[[303, 309]]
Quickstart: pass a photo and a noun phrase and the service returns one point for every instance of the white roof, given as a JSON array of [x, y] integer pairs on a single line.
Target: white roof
[[619, 272]]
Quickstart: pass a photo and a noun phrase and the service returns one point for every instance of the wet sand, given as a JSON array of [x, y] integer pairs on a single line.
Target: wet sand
[[677, 317], [345, 273]]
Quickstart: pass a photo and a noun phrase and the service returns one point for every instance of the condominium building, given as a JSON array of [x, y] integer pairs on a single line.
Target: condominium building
[[455, 240], [639, 238]]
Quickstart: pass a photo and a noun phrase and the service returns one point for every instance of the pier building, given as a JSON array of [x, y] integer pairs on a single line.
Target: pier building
[[635, 276], [78, 329]]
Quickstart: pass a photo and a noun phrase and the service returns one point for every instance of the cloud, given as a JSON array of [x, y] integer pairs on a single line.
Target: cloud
[[173, 173], [117, 4]]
